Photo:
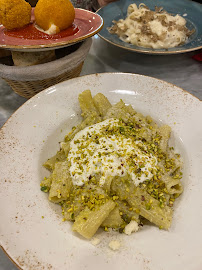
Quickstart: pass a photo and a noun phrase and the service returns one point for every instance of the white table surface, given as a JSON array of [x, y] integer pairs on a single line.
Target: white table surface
[[180, 70]]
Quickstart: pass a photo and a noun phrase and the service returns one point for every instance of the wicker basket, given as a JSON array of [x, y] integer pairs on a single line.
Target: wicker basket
[[28, 89], [28, 81]]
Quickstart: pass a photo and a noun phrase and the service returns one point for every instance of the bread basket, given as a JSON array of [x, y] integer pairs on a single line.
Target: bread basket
[[28, 81]]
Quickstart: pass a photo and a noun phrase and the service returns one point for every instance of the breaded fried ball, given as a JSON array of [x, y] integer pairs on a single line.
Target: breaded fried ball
[[54, 12], [14, 13]]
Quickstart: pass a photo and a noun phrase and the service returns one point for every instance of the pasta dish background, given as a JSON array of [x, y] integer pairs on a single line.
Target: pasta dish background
[[190, 10], [156, 29]]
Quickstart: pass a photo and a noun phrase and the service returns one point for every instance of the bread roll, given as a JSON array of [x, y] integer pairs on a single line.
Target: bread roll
[[24, 59]]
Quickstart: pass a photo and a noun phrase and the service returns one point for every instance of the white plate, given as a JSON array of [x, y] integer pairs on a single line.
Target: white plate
[[32, 134]]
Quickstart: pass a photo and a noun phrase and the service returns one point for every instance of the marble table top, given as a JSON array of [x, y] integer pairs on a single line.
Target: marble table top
[[181, 70]]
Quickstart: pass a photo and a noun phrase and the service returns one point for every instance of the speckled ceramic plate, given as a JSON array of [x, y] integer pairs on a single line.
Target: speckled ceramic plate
[[86, 24], [32, 134], [190, 10]]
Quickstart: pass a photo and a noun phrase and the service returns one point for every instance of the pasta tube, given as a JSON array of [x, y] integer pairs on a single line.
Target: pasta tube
[[86, 103], [173, 186], [50, 163], [102, 104], [139, 199], [88, 221], [114, 219], [61, 183], [164, 131]]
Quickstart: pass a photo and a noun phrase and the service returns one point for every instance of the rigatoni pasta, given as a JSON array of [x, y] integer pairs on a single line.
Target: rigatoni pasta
[[115, 168]]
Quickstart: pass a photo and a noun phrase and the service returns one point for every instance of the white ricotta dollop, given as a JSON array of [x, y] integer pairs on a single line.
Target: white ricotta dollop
[[94, 151], [114, 245], [131, 227], [95, 241]]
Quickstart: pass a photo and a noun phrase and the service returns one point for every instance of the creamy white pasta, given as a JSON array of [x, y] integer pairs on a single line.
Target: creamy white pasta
[[151, 29]]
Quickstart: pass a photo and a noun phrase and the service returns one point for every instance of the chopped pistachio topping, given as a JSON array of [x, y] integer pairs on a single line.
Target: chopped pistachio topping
[[110, 148]]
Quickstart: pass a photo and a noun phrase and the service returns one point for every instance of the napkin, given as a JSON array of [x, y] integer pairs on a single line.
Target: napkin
[[198, 57]]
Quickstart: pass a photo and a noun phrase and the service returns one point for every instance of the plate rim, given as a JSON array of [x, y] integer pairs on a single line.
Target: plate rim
[[10, 258], [58, 44], [111, 73]]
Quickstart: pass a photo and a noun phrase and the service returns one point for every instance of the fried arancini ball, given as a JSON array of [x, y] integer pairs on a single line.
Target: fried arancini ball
[[51, 12], [14, 13]]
